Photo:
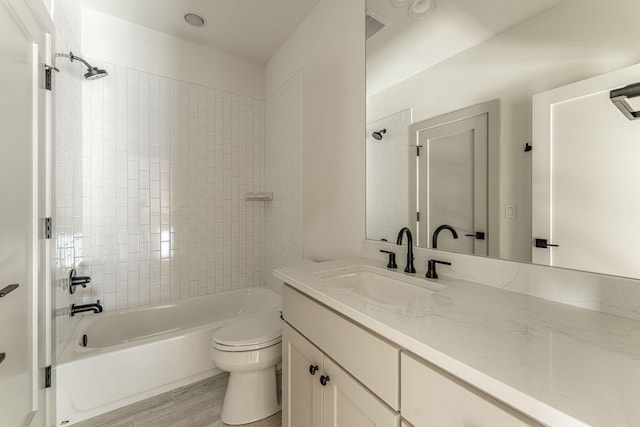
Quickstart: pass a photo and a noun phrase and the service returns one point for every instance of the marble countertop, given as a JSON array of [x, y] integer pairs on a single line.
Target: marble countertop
[[558, 364]]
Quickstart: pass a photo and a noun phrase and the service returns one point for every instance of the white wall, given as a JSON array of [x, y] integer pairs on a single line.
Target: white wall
[[120, 42], [72, 9], [570, 42], [329, 47]]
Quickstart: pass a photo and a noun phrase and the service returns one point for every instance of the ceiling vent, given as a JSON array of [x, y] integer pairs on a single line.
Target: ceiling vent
[[373, 25]]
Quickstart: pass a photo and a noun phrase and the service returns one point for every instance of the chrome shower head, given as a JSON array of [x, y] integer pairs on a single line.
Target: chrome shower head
[[378, 135], [92, 73]]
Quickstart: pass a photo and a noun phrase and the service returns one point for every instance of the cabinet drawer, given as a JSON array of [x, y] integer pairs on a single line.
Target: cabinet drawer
[[432, 397], [371, 360]]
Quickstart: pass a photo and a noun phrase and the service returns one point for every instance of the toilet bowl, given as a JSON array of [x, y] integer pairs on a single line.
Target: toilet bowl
[[249, 348]]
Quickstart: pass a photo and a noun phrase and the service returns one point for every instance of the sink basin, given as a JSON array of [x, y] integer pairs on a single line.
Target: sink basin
[[379, 286]]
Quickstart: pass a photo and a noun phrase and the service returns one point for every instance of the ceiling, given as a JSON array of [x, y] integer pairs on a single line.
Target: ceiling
[[249, 29], [405, 47]]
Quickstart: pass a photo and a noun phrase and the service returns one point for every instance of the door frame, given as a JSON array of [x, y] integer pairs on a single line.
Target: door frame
[[492, 110], [38, 27]]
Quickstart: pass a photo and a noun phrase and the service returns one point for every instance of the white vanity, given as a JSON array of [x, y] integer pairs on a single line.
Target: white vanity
[[363, 345]]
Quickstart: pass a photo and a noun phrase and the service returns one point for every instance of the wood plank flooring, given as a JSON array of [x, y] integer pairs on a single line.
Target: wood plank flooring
[[196, 405]]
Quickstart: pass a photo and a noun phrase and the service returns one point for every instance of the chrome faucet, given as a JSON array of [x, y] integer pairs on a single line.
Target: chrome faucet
[[95, 308], [409, 268], [434, 239]]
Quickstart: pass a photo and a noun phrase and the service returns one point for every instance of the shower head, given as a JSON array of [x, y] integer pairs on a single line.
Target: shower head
[[378, 135], [92, 73]]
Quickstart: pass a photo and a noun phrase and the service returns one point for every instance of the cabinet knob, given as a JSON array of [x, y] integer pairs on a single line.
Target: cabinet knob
[[324, 379], [313, 369]]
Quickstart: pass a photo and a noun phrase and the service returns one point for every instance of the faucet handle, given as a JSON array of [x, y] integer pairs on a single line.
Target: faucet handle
[[77, 281], [431, 268], [392, 259]]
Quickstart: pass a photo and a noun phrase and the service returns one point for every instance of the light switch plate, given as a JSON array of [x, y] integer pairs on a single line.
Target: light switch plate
[[510, 211]]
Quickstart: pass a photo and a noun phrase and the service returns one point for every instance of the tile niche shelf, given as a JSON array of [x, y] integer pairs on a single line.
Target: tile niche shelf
[[258, 197]]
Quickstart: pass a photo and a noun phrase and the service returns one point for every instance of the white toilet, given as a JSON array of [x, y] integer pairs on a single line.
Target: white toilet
[[249, 348]]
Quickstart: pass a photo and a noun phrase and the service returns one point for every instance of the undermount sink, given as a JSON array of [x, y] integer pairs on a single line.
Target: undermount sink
[[379, 285]]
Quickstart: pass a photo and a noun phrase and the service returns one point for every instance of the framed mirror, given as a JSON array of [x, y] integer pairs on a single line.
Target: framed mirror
[[430, 62]]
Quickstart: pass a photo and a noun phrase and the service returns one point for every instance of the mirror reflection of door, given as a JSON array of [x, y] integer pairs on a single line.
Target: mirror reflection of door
[[452, 184], [454, 180], [585, 177]]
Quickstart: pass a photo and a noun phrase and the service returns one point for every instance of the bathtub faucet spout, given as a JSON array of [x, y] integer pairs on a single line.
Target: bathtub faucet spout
[[81, 308]]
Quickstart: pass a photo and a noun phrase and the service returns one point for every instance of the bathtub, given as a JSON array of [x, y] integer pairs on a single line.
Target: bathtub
[[138, 353]]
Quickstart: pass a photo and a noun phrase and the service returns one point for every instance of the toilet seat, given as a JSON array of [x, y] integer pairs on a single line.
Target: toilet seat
[[253, 347], [251, 332]]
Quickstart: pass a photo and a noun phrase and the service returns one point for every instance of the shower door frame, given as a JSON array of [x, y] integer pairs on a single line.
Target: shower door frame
[[37, 27]]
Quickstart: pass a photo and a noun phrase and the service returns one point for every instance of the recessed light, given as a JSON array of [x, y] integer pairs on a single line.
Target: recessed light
[[419, 9], [195, 20]]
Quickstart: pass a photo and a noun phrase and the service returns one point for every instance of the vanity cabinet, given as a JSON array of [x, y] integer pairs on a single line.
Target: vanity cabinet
[[328, 381], [371, 381], [432, 397], [319, 393]]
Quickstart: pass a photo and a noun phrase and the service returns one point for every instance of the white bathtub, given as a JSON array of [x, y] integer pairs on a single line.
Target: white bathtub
[[135, 354]]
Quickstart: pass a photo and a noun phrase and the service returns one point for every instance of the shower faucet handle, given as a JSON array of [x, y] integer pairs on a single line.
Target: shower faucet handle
[[77, 281]]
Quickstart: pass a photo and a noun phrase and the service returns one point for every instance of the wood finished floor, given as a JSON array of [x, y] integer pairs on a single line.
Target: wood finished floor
[[196, 405]]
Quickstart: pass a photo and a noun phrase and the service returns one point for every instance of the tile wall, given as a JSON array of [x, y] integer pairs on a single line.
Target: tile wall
[[150, 177], [387, 188], [283, 166], [165, 167], [67, 220]]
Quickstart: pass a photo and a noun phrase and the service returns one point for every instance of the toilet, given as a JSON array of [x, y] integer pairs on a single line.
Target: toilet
[[249, 348]]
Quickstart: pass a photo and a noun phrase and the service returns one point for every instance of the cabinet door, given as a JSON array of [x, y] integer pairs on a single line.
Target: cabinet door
[[347, 403], [432, 397], [372, 360], [301, 389]]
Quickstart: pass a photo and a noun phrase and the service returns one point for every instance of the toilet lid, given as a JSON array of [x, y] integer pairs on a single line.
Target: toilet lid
[[250, 330]]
